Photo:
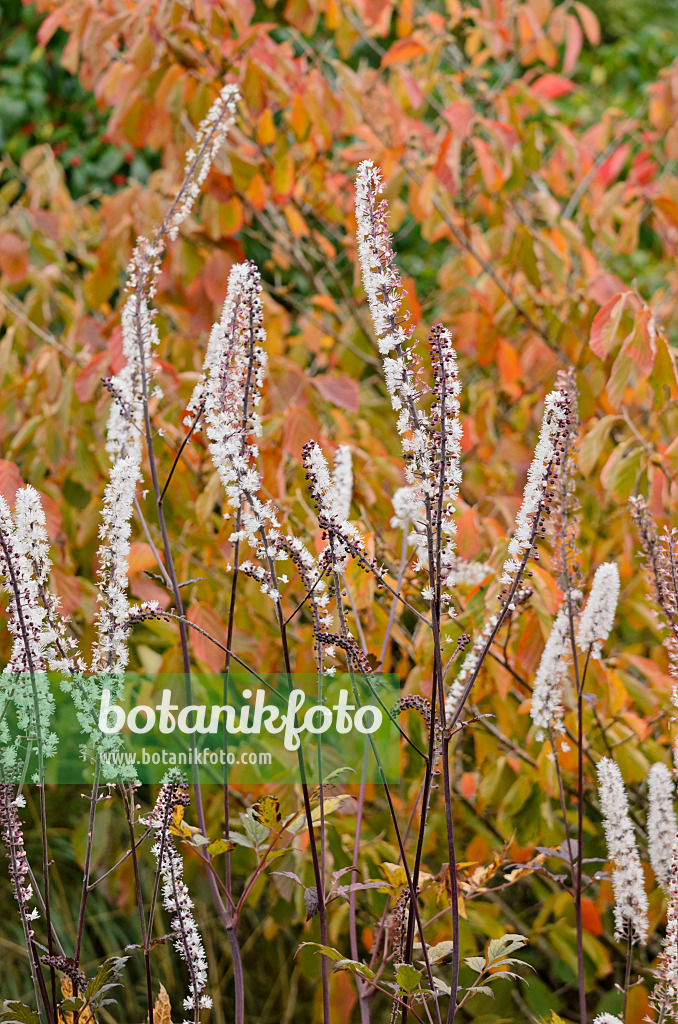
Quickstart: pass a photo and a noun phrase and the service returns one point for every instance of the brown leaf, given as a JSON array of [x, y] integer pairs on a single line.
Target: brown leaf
[[162, 1010]]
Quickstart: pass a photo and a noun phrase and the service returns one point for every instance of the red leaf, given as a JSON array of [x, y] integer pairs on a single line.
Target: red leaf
[[341, 391], [552, 86], [573, 44], [10, 481], [606, 324], [51, 23], [67, 587], [203, 649], [589, 21]]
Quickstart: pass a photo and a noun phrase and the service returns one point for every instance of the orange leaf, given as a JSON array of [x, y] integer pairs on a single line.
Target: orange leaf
[[13, 257], [297, 224], [590, 916], [140, 557], [403, 49], [509, 367], [488, 168], [256, 192]]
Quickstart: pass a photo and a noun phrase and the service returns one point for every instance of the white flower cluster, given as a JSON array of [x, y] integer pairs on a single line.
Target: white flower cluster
[[176, 898], [661, 822], [630, 899], [342, 482], [607, 1018], [668, 961], [597, 618], [468, 572], [547, 709], [24, 683], [111, 653], [33, 543], [552, 426]]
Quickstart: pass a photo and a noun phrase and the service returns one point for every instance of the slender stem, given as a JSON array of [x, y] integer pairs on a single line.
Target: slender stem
[[129, 814], [627, 975]]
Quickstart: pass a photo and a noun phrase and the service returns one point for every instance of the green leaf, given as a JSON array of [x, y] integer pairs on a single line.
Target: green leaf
[[408, 977], [476, 963], [240, 840], [329, 951], [355, 967], [439, 951], [256, 831], [107, 977], [18, 1013], [499, 949]]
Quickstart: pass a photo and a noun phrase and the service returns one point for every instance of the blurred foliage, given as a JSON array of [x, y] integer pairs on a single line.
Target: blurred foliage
[[43, 103], [533, 190]]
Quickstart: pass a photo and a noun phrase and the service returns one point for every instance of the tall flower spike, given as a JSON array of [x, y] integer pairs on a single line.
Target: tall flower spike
[[668, 961], [131, 386], [547, 692], [446, 431], [661, 569], [383, 287], [563, 526], [555, 422], [176, 898], [630, 899], [597, 618], [32, 541], [23, 683], [661, 822]]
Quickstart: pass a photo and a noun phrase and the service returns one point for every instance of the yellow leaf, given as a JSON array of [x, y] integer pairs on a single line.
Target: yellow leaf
[[267, 811], [266, 128]]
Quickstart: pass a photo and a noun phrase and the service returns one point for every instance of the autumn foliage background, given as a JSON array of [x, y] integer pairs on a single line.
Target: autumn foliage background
[[533, 185]]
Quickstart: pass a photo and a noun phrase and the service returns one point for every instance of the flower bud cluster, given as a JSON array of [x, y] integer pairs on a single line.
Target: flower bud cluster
[[176, 898]]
